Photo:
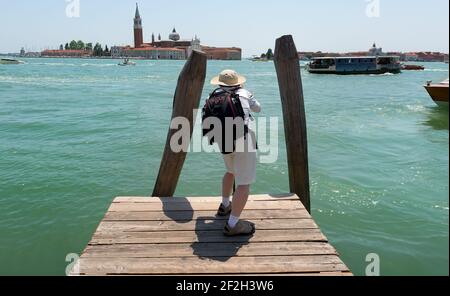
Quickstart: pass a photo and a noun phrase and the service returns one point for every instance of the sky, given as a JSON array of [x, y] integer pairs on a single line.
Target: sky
[[253, 25]]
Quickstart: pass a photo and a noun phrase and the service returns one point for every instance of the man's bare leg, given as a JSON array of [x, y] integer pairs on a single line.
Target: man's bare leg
[[227, 188], [239, 202]]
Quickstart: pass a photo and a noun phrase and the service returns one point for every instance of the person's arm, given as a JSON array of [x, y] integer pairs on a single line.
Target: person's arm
[[255, 106]]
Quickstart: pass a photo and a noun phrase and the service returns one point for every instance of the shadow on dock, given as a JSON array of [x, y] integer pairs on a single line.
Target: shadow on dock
[[212, 244], [183, 217]]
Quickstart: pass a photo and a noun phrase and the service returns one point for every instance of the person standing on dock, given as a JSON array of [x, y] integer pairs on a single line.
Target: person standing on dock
[[240, 165]]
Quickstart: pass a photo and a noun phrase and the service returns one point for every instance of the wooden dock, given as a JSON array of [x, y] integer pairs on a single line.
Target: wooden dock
[[182, 236]]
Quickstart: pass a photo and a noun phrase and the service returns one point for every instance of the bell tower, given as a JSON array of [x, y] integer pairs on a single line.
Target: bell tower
[[138, 33]]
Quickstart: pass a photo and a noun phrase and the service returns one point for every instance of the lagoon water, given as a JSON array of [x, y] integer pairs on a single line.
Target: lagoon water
[[76, 133]]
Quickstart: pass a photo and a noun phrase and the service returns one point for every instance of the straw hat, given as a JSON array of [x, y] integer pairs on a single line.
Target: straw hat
[[228, 78]]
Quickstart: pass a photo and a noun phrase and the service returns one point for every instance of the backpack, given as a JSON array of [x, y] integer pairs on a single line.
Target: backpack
[[223, 104]]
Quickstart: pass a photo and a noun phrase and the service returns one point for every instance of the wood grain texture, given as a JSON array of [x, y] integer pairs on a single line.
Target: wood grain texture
[[187, 265], [187, 98], [287, 66], [188, 216], [183, 237]]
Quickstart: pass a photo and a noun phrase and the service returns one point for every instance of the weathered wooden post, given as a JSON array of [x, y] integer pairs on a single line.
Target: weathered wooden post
[[287, 65], [187, 98]]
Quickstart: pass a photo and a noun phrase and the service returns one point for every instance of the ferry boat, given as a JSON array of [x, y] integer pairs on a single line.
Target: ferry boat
[[439, 92], [355, 65]]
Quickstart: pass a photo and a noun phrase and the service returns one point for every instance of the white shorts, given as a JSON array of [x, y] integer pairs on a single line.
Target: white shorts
[[243, 166]]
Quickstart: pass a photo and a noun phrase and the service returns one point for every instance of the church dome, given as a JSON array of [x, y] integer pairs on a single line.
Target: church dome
[[174, 36]]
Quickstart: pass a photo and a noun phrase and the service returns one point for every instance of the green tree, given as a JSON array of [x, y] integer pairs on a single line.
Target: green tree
[[80, 45], [66, 47], [98, 50], [73, 45], [269, 54], [89, 46], [106, 52]]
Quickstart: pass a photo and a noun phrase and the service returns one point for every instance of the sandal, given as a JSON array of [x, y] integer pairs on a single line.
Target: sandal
[[242, 228], [224, 211]]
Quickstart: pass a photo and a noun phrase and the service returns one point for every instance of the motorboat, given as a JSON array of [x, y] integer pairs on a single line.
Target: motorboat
[[127, 62], [439, 92], [10, 62]]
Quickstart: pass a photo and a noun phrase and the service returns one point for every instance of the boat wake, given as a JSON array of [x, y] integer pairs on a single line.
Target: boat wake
[[54, 64], [381, 75], [436, 70], [416, 108], [98, 65]]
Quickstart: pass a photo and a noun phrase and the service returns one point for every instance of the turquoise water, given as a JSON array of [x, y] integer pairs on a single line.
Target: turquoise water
[[76, 133]]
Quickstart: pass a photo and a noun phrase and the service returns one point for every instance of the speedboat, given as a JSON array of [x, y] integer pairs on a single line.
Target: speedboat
[[439, 92], [412, 67], [127, 62], [10, 62]]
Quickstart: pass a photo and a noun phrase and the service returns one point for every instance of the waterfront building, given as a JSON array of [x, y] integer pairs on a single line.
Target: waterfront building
[[66, 53], [375, 51], [153, 53], [173, 48], [411, 57], [174, 36], [138, 31], [148, 52], [195, 45], [222, 53], [119, 51], [431, 57]]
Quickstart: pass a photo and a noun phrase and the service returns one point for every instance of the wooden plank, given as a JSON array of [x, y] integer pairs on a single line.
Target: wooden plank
[[174, 237], [201, 206], [188, 215], [209, 250], [206, 224], [270, 275], [186, 99], [183, 237], [276, 264], [287, 66], [260, 197]]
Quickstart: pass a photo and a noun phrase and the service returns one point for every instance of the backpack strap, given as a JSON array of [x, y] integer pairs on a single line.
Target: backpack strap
[[216, 92]]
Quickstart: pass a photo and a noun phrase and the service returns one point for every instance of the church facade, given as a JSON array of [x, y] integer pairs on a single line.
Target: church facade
[[173, 48]]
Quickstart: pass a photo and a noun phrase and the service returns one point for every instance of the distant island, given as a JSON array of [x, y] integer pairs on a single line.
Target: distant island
[[174, 48], [265, 57]]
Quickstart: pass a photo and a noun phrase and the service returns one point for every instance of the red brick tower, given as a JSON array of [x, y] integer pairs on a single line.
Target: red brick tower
[[138, 33]]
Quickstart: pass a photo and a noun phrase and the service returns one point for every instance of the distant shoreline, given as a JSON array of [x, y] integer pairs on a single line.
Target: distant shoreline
[[104, 58], [144, 59]]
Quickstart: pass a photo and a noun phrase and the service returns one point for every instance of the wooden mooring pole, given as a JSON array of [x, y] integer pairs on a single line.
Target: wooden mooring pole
[[287, 65], [187, 98]]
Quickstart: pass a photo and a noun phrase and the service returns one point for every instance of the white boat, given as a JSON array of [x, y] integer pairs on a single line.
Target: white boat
[[127, 62], [10, 62]]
